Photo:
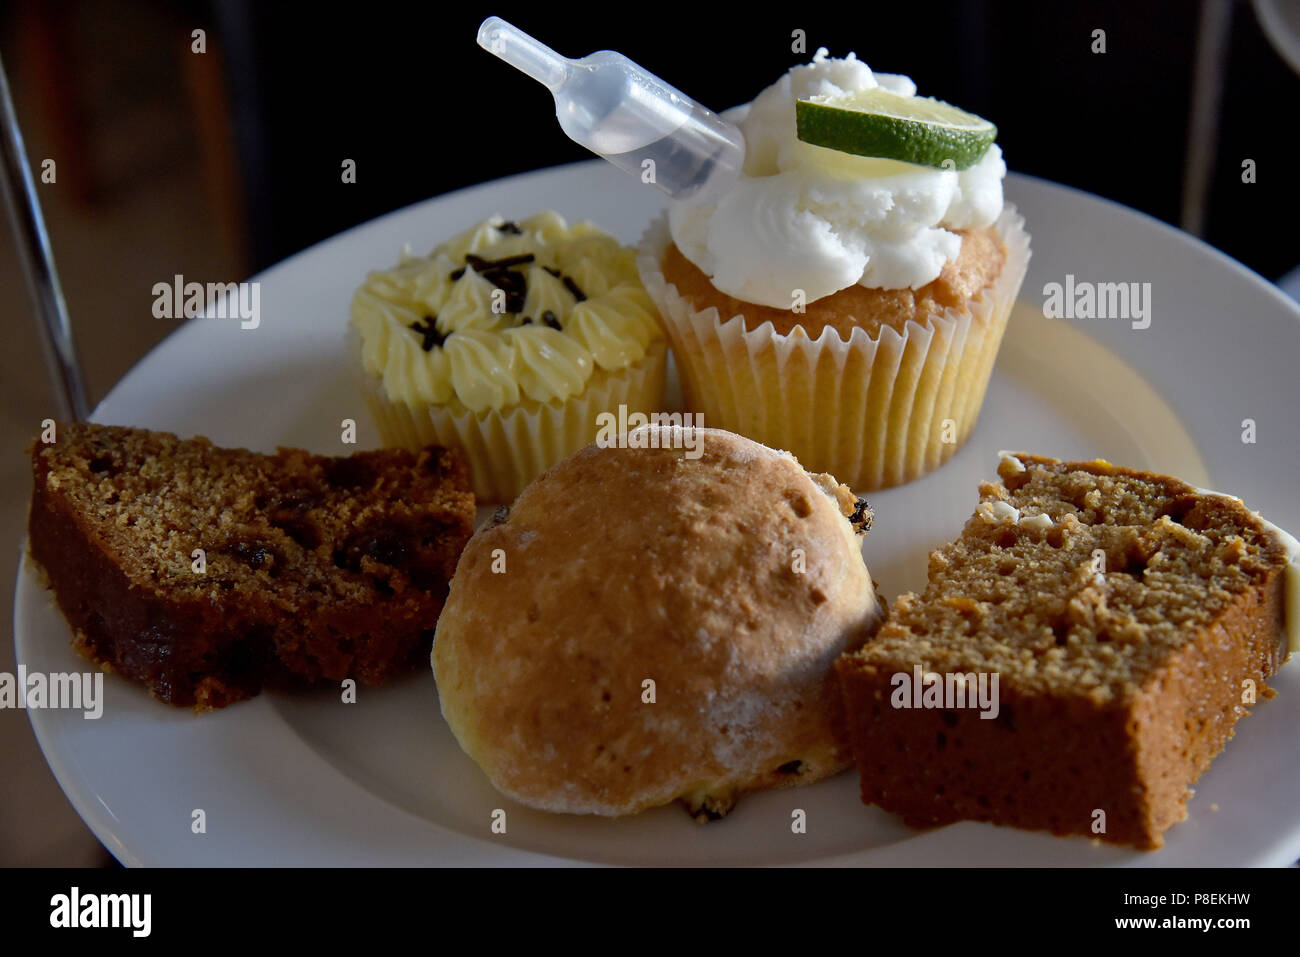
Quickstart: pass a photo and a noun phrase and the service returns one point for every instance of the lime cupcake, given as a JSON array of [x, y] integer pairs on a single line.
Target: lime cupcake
[[847, 308], [508, 342]]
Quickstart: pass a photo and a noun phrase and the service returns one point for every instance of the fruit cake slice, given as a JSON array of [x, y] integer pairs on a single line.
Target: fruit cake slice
[[1130, 619], [205, 573]]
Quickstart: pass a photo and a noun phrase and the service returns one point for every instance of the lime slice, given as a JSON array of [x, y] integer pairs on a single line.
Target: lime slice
[[914, 129]]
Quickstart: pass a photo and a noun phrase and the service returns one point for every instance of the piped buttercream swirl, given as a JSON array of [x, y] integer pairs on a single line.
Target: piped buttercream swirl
[[453, 328]]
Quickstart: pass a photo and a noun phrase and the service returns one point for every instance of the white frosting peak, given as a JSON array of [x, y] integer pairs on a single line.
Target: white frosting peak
[[803, 217]]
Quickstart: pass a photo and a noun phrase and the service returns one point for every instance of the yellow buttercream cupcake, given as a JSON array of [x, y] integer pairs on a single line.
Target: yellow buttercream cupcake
[[508, 341]]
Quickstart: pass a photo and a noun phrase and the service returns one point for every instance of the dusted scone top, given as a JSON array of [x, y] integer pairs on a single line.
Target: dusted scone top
[[731, 580]]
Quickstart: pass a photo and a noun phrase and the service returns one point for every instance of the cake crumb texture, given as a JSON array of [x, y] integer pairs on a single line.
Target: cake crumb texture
[[313, 568], [1124, 613]]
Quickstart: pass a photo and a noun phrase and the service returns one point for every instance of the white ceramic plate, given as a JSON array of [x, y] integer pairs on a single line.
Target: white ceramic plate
[[309, 780]]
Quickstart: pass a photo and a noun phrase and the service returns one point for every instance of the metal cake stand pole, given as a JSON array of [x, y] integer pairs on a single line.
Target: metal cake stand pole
[[33, 245]]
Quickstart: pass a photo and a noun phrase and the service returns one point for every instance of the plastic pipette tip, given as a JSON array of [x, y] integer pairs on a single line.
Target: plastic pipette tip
[[523, 52]]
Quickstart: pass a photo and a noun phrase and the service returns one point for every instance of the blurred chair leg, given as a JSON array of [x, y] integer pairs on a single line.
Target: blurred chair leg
[[44, 28], [210, 112]]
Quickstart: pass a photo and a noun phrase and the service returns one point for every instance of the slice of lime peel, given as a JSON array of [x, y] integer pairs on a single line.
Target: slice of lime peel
[[914, 129]]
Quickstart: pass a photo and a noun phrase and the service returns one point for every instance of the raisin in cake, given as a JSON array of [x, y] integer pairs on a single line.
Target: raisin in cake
[[312, 568], [1131, 619]]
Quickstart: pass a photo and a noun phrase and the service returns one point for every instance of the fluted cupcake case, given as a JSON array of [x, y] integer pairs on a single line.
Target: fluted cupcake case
[[508, 448], [874, 412]]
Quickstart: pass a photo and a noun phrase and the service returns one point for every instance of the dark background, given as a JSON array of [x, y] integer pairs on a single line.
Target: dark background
[[423, 110]]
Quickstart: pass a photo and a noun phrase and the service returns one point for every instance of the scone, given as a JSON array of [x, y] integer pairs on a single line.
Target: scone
[[847, 308], [508, 342], [657, 623], [1124, 621]]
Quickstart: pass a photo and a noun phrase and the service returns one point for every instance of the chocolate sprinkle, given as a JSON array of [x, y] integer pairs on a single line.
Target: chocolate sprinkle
[[429, 330], [485, 266], [498, 272], [516, 292], [862, 517], [515, 284], [572, 286]]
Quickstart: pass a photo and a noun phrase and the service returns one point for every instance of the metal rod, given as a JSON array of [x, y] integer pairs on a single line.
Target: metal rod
[[1203, 123], [33, 244]]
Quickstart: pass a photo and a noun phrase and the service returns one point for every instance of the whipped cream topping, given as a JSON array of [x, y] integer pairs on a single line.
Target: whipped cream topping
[[804, 217]]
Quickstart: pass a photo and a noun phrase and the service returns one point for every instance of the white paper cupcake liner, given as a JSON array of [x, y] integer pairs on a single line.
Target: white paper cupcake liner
[[870, 411], [507, 449]]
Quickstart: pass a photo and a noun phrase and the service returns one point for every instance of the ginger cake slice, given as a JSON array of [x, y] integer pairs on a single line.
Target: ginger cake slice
[[1129, 618]]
